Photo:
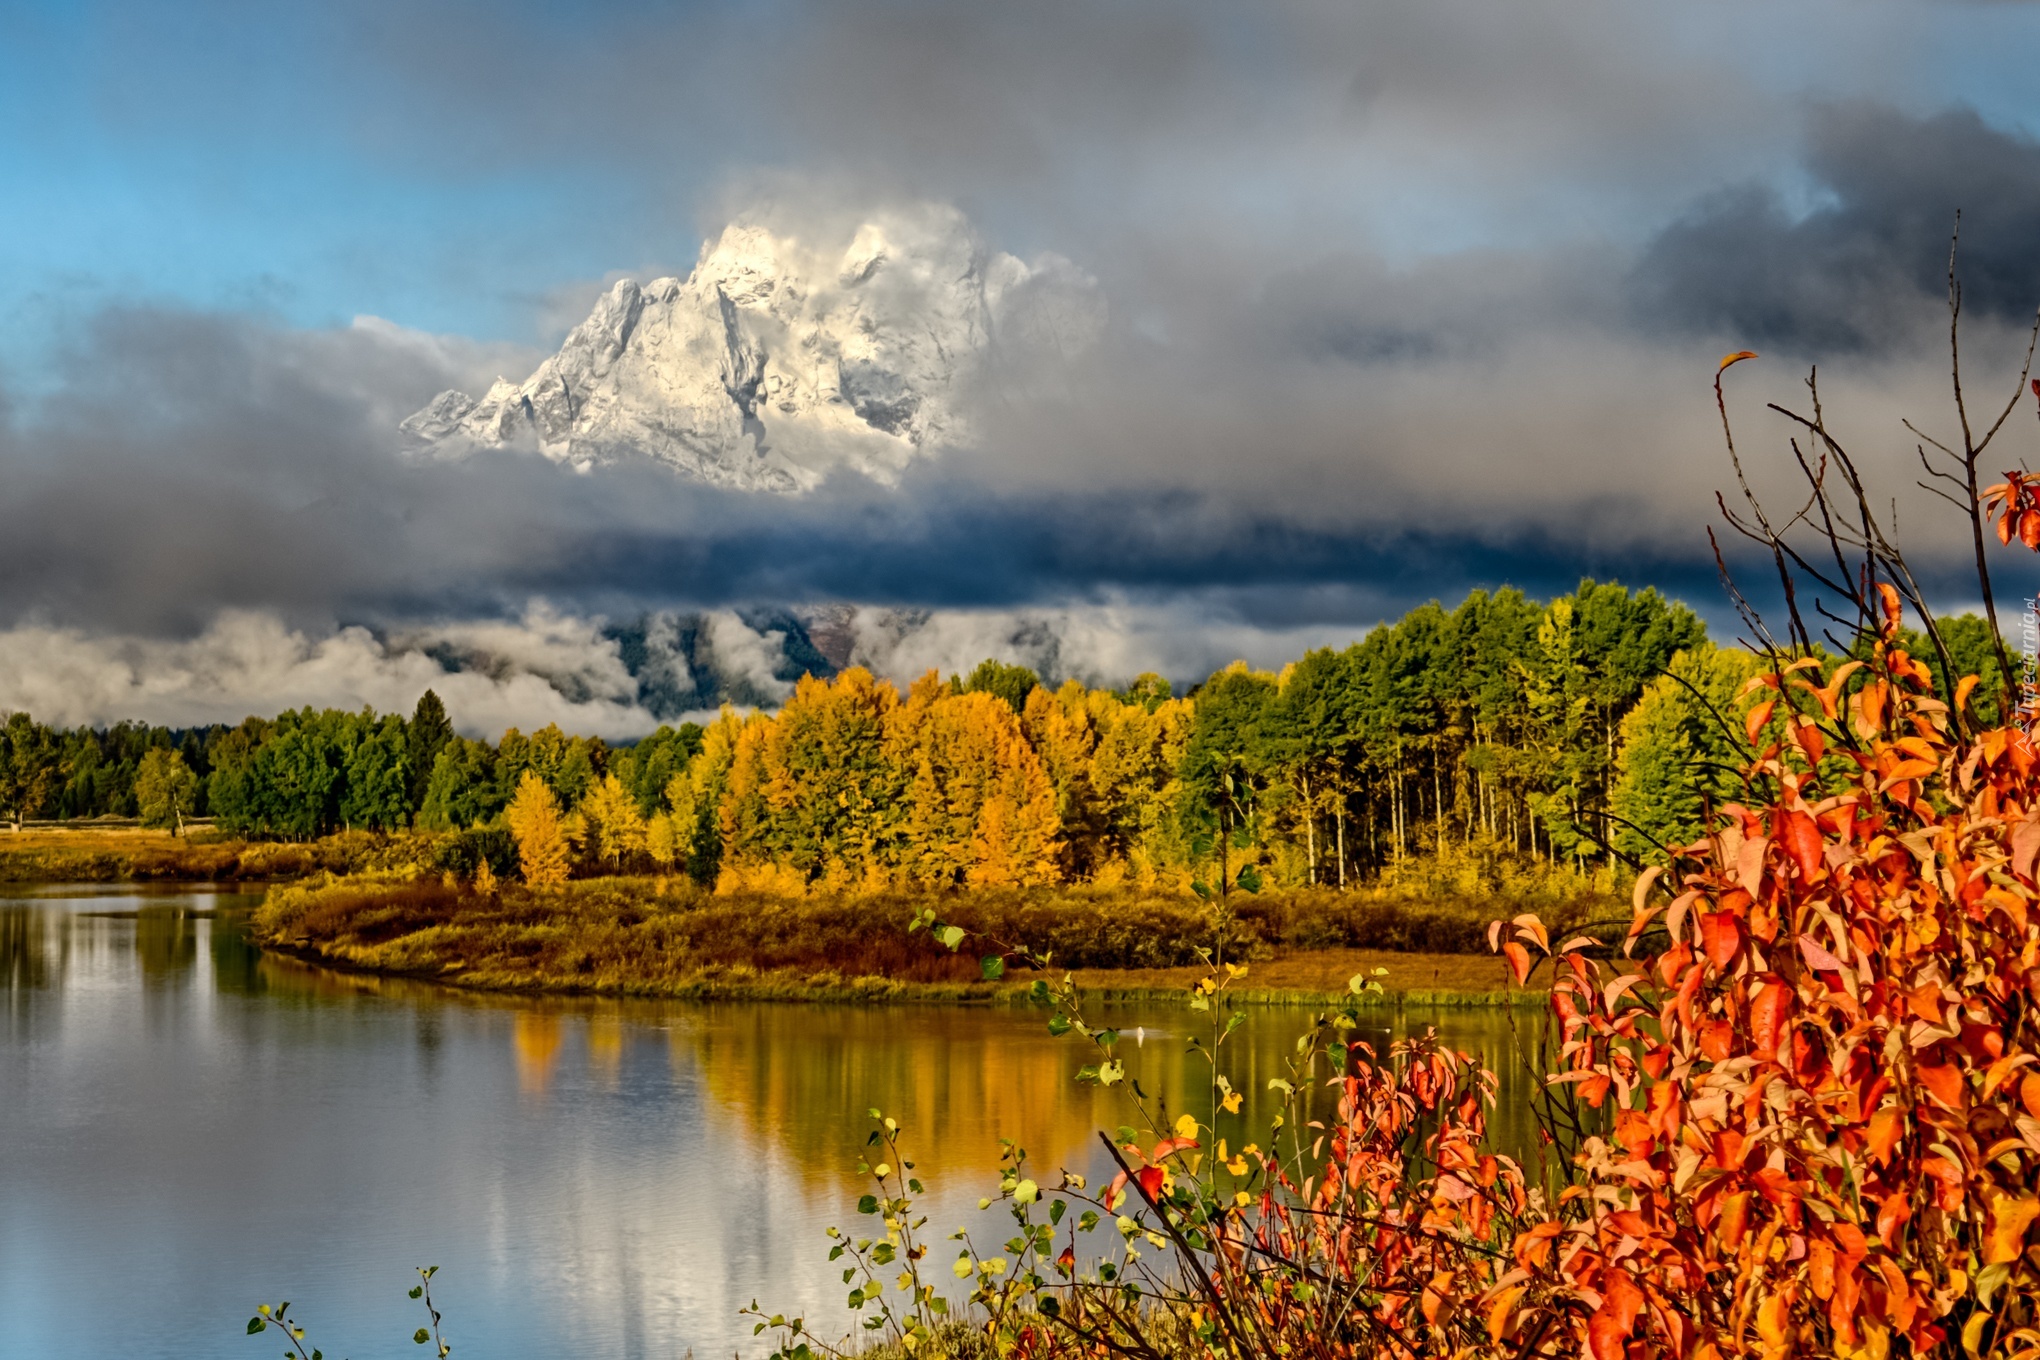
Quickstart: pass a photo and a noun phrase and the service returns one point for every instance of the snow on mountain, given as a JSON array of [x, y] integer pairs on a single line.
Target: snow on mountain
[[779, 359]]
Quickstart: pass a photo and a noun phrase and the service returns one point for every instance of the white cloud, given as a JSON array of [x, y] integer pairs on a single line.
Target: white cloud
[[251, 663]]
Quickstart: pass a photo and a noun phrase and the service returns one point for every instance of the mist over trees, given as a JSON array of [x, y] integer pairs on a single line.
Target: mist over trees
[[1597, 723]]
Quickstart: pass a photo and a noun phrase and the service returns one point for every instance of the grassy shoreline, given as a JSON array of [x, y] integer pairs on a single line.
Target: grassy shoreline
[[134, 855], [651, 938]]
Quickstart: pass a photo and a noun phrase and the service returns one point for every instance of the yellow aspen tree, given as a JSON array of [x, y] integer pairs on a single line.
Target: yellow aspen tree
[[744, 816], [1063, 732], [614, 821], [534, 820], [662, 842], [918, 853]]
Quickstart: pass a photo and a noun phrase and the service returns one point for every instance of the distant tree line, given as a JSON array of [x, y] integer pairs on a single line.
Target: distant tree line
[[1597, 723]]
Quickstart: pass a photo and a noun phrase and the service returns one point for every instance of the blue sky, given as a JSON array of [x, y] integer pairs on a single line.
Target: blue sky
[[318, 161], [1405, 297]]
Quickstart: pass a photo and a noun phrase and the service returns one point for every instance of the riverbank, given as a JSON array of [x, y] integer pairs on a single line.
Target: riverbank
[[93, 854], [666, 938]]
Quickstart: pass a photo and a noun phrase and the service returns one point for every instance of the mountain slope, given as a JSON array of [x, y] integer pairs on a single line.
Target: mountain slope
[[778, 360]]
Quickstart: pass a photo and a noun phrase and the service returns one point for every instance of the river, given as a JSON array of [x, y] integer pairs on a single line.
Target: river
[[189, 1126]]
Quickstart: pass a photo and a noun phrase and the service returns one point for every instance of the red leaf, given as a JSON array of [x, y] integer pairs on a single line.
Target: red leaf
[[1802, 841], [1150, 1178]]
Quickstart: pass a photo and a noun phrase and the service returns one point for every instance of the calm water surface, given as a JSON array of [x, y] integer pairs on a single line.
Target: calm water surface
[[188, 1126]]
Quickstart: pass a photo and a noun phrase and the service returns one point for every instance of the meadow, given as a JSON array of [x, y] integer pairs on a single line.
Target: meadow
[[668, 937]]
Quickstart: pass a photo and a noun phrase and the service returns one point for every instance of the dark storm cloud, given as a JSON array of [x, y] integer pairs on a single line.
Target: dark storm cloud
[[1851, 274], [192, 463]]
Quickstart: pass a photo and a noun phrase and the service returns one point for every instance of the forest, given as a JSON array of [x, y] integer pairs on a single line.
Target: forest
[[1592, 726]]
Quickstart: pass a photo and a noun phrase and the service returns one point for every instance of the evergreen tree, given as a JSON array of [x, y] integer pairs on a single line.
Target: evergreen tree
[[1001, 680], [425, 737]]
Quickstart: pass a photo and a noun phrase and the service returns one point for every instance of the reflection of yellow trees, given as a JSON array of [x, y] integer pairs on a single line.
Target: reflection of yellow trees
[[801, 1078], [605, 1048], [535, 1041]]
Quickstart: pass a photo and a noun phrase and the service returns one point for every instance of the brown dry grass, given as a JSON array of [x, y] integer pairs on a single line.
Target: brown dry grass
[[667, 938]]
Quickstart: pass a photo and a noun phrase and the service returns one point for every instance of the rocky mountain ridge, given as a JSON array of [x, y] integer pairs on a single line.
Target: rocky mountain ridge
[[777, 360]]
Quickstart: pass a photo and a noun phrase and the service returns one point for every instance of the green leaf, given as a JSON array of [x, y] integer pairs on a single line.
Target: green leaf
[[867, 1204], [1058, 1025], [255, 1325], [417, 1291], [1201, 888], [421, 1336], [993, 967], [1038, 993], [950, 936]]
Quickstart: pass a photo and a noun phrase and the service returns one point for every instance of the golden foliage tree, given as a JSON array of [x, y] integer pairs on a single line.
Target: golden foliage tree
[[534, 820], [614, 821]]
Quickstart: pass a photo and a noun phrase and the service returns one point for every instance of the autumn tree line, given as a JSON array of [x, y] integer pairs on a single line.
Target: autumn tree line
[[1597, 724]]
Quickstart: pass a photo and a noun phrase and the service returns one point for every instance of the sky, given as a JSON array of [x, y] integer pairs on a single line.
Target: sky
[[1404, 300]]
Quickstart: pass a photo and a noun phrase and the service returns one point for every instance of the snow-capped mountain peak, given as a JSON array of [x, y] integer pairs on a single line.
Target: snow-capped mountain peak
[[778, 359]]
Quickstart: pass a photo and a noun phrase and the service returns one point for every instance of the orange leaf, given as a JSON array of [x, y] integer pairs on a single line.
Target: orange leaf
[[1963, 687], [1767, 1017], [1742, 354], [2005, 1238], [1925, 1002], [1502, 1314], [2029, 530], [1944, 1083], [1754, 720], [1802, 841], [1735, 1219], [1437, 1300], [1885, 1126], [1720, 937], [1811, 742], [1774, 1321], [2025, 846], [1612, 1322], [1894, 608], [1519, 961]]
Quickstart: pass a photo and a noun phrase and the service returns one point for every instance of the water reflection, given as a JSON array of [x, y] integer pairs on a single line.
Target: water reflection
[[198, 1125]]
